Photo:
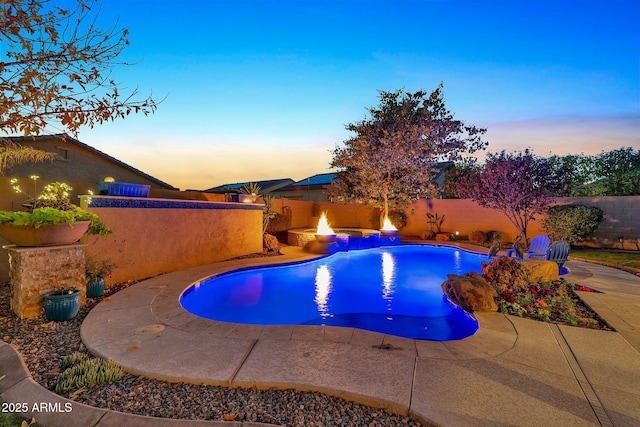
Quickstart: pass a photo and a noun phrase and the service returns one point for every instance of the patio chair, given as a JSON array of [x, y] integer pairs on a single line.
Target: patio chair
[[559, 252], [538, 247]]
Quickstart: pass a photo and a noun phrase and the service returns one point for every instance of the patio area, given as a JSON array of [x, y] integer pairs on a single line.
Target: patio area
[[514, 371]]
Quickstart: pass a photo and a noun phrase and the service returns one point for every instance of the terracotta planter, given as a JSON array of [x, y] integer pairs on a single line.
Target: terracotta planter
[[45, 235], [61, 307]]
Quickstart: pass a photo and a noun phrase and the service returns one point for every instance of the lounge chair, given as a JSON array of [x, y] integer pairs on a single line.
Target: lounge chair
[[538, 247], [559, 252]]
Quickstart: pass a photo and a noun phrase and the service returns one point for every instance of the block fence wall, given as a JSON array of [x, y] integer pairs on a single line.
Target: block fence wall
[[147, 241], [621, 218]]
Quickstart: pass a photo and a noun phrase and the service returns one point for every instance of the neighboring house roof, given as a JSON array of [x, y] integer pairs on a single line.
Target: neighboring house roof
[[313, 182], [266, 186], [67, 138]]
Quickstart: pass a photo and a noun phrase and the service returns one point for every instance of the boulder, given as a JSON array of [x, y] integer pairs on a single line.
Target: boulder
[[428, 235], [541, 270], [471, 292], [270, 243], [443, 237]]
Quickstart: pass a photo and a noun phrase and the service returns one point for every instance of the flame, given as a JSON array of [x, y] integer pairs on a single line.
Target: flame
[[387, 225], [323, 225]]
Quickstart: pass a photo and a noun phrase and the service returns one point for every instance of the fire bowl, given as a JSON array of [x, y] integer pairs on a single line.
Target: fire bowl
[[326, 238], [389, 233]]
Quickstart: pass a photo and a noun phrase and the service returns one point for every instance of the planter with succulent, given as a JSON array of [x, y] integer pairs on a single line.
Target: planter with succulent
[[249, 193], [96, 270], [50, 220], [61, 304]]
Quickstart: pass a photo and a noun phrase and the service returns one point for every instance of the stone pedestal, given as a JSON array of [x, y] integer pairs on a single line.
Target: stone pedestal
[[34, 271]]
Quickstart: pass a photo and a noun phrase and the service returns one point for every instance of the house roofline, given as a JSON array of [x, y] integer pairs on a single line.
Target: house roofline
[[65, 137]]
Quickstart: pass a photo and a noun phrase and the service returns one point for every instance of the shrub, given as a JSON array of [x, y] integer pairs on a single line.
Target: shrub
[[278, 223], [506, 272], [398, 218], [571, 222], [482, 237], [478, 237]]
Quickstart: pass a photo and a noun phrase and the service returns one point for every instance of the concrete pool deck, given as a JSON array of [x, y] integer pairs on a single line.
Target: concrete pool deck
[[512, 372]]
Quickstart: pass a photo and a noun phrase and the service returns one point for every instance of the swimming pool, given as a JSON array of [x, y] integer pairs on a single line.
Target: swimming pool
[[393, 290]]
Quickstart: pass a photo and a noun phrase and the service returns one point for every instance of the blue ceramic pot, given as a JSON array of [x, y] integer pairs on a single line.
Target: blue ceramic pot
[[95, 287], [61, 307]]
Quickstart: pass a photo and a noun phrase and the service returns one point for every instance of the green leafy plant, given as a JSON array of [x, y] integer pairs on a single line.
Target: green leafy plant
[[572, 222], [95, 267], [52, 206], [85, 371]]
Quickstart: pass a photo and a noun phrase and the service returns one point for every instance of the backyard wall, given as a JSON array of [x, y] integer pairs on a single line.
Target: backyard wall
[[153, 236], [621, 215], [150, 241]]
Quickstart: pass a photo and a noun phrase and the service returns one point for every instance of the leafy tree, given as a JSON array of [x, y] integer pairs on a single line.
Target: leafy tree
[[56, 67], [579, 167], [520, 185], [392, 158], [615, 173], [453, 174]]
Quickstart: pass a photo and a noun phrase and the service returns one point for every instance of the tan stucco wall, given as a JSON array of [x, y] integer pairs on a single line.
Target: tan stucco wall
[[621, 215], [147, 242]]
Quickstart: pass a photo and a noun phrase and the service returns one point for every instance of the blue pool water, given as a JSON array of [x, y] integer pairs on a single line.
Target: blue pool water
[[393, 290]]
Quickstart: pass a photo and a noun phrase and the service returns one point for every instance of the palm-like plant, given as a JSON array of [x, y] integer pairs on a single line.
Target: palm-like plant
[[12, 154]]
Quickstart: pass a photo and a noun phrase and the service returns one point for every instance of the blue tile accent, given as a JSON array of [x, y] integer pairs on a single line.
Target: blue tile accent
[[142, 203]]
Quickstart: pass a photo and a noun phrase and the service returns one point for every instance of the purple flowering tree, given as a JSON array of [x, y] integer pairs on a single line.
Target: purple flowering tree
[[520, 185]]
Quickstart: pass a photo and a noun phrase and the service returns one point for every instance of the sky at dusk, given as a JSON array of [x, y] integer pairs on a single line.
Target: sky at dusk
[[260, 89]]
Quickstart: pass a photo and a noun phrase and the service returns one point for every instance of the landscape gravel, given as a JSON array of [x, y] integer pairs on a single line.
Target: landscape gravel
[[43, 344]]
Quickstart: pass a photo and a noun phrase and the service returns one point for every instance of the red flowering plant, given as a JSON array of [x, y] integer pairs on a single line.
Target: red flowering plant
[[554, 302]]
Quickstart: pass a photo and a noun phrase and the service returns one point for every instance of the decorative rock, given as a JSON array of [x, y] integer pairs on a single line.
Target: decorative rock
[[271, 243], [428, 235], [471, 292], [541, 270], [443, 237]]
